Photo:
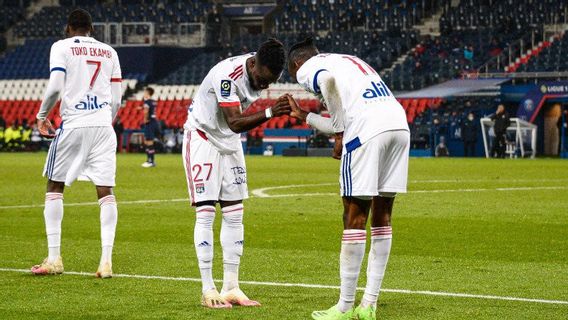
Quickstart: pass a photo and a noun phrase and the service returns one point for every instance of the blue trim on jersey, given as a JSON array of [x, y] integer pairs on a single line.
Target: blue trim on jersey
[[353, 144], [59, 69], [343, 175], [349, 181], [346, 175], [315, 83], [51, 162]]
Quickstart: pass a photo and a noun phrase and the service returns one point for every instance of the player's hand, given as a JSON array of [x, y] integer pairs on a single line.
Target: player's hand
[[297, 112], [338, 147], [282, 107], [45, 128]]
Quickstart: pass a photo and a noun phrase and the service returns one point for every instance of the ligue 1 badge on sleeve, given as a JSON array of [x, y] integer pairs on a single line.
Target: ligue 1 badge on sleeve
[[225, 88]]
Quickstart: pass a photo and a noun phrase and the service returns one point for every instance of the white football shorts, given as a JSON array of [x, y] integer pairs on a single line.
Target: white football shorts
[[87, 154], [378, 165], [212, 176]]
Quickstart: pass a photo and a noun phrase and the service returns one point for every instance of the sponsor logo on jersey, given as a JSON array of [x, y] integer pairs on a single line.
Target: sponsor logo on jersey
[[199, 187], [378, 89], [225, 88], [90, 104]]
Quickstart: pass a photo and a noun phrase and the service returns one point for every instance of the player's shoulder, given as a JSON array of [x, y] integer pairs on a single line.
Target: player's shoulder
[[233, 67], [99, 44], [314, 64], [59, 44]]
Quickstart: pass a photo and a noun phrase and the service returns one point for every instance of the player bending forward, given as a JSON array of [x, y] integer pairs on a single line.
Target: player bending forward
[[214, 160], [87, 74], [372, 140]]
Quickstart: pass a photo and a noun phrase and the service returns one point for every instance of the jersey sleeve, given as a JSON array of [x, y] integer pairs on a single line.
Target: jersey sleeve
[[307, 75], [116, 75], [225, 90], [57, 58]]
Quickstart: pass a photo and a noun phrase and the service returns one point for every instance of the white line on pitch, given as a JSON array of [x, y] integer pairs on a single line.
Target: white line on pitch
[[260, 193], [315, 286]]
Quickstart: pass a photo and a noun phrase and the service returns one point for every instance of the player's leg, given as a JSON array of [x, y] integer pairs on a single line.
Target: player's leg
[[355, 214], [149, 135], [201, 163], [108, 218], [356, 211], [381, 242], [233, 191], [62, 152], [100, 168], [53, 215], [358, 184], [393, 172]]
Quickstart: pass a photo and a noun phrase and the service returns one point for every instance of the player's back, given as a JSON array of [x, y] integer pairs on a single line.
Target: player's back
[[90, 66], [226, 85], [370, 107]]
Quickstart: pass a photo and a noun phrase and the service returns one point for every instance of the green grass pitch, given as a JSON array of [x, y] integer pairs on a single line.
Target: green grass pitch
[[472, 226]]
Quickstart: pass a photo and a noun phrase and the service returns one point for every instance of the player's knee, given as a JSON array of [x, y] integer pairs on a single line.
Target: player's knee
[[356, 221], [387, 194], [233, 219], [205, 219], [233, 215], [55, 186]]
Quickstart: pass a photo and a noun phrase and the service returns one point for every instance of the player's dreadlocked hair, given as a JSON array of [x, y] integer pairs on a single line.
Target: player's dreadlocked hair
[[272, 55], [302, 50], [80, 19]]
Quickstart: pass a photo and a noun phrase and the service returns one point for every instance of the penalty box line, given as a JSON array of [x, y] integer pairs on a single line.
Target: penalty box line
[[315, 286]]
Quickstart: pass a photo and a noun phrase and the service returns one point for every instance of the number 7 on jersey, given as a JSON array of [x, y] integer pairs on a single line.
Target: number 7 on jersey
[[97, 64]]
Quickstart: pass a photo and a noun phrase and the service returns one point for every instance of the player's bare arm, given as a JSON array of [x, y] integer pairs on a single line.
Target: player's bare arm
[[54, 88], [314, 120], [333, 100], [238, 122]]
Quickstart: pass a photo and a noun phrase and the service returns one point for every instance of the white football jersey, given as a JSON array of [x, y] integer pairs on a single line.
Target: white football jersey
[[226, 85], [89, 66], [369, 106]]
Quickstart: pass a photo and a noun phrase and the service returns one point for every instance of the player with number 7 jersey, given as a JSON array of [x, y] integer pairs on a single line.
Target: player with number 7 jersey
[[372, 141], [86, 74]]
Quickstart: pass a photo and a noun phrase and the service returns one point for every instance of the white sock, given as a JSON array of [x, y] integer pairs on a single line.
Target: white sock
[[232, 238], [381, 240], [109, 217], [203, 240], [350, 259], [53, 214]]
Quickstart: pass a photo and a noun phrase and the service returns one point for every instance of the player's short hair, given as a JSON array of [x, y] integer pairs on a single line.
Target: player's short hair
[[80, 19], [302, 50], [150, 90], [272, 55]]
